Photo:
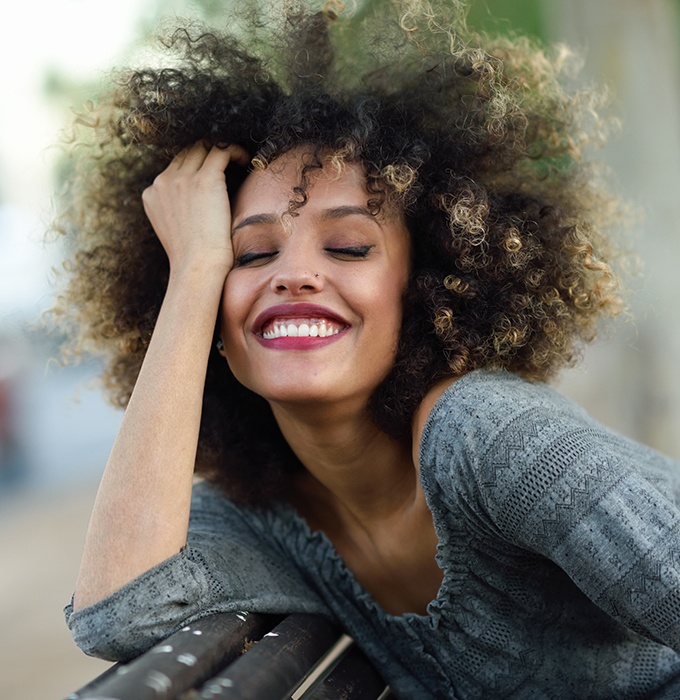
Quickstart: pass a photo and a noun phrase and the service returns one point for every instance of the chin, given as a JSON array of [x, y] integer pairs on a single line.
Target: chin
[[302, 391], [296, 394]]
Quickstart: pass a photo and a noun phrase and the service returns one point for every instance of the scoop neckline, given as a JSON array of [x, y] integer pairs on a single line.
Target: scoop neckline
[[434, 607]]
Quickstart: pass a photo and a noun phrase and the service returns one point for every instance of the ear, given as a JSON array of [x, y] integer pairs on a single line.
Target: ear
[[220, 347]]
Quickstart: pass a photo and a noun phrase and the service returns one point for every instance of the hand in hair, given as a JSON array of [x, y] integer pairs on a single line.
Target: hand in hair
[[188, 206]]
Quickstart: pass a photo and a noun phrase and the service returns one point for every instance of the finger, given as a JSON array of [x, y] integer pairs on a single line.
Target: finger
[[239, 154], [177, 161], [194, 157], [221, 156]]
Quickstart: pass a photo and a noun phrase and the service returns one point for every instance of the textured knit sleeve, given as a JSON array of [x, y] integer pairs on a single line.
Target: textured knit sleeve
[[229, 564], [539, 474]]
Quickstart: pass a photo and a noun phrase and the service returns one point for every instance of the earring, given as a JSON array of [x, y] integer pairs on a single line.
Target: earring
[[219, 345]]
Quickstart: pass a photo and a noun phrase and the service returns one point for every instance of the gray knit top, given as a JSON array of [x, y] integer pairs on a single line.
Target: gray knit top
[[559, 541]]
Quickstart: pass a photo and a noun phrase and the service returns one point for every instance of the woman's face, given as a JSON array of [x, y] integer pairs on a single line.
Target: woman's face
[[312, 309]]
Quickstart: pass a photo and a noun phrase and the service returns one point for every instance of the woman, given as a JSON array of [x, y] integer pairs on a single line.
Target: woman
[[348, 337]]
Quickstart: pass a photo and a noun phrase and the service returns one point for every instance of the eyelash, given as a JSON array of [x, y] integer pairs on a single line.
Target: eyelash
[[359, 251], [247, 258], [353, 251]]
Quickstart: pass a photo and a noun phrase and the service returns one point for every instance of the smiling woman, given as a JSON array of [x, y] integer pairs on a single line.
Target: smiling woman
[[333, 283], [329, 279]]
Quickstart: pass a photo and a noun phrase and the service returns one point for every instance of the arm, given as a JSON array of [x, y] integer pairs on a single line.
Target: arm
[[230, 563], [141, 512], [616, 535], [608, 519], [536, 472]]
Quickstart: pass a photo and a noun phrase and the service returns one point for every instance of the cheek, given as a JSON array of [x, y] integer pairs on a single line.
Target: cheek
[[393, 289], [386, 313], [231, 330], [233, 311]]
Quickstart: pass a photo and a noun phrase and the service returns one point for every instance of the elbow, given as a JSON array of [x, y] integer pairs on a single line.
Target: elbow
[[132, 619], [115, 642]]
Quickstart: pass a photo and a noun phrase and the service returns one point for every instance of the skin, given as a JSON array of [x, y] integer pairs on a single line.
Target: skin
[[360, 487]]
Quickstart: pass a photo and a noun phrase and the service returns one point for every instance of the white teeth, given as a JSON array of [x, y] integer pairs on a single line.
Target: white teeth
[[312, 328]]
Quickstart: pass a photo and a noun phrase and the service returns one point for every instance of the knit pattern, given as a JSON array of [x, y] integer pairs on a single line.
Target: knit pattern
[[559, 541]]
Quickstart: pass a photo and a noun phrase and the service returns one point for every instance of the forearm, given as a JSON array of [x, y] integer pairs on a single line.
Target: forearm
[[229, 565], [141, 512]]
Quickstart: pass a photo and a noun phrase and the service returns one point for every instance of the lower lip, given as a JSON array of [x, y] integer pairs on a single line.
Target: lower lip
[[299, 342]]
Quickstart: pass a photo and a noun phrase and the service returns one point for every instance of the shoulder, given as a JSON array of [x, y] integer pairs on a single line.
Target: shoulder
[[214, 513], [494, 432], [227, 523], [485, 403], [211, 507], [503, 438]]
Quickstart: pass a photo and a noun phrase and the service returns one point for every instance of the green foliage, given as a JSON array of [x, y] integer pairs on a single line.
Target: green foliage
[[509, 17]]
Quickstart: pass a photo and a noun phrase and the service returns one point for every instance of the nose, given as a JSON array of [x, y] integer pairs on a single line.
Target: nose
[[296, 276]]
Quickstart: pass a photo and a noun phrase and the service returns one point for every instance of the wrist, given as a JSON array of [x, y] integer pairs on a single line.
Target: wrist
[[205, 270]]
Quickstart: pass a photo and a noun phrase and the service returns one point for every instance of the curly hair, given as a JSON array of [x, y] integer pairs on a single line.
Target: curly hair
[[473, 138]]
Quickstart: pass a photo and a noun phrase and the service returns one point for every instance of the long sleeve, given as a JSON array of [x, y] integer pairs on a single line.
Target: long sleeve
[[229, 564], [584, 501]]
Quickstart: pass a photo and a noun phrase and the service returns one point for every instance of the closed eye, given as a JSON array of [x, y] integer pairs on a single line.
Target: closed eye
[[354, 251], [249, 258]]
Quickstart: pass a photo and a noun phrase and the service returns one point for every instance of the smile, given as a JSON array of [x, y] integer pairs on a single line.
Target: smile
[[301, 328]]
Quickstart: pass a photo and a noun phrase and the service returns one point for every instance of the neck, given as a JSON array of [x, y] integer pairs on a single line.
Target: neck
[[353, 467]]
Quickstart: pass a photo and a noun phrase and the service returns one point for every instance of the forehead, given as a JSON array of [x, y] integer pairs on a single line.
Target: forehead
[[273, 188]]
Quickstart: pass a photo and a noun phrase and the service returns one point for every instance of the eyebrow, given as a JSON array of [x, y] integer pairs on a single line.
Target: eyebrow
[[255, 219], [348, 210], [326, 215]]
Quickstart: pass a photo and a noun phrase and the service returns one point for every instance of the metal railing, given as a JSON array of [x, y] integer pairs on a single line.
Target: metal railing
[[245, 656]]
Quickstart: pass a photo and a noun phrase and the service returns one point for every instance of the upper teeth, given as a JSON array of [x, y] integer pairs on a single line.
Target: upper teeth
[[308, 328]]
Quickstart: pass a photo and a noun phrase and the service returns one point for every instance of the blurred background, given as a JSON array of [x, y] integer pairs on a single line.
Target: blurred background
[[56, 431]]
